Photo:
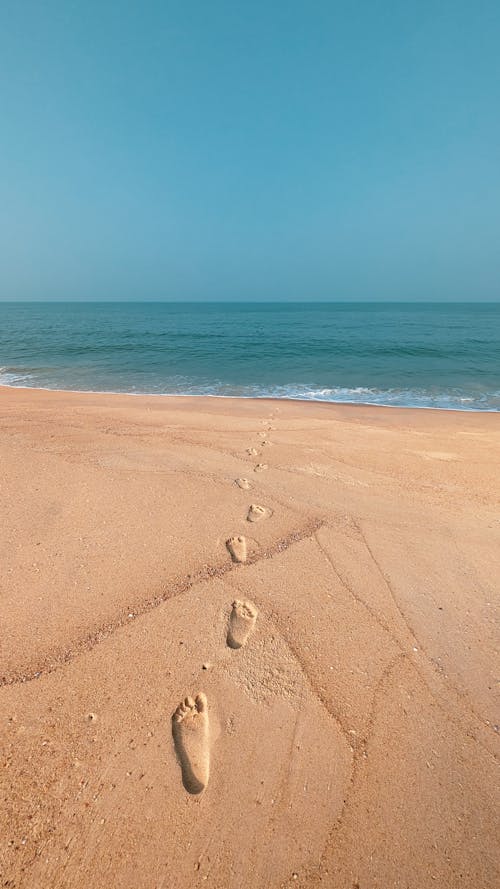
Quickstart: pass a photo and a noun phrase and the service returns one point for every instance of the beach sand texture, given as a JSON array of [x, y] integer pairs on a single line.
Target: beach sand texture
[[227, 678]]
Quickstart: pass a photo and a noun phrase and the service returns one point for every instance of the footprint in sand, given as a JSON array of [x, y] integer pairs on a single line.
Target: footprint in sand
[[190, 730], [237, 546], [243, 483], [241, 623], [256, 513], [259, 467], [252, 452], [266, 442]]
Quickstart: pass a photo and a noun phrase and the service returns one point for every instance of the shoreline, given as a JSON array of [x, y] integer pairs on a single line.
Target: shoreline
[[257, 398]]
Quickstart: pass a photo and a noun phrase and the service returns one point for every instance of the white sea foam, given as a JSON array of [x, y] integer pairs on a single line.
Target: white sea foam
[[417, 398], [10, 376]]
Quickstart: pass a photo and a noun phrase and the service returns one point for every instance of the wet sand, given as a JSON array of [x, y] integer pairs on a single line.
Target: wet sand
[[247, 644]]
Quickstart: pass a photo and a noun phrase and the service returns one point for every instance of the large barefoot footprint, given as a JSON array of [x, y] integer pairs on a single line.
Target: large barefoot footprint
[[243, 483], [241, 623], [237, 547], [190, 729], [256, 513]]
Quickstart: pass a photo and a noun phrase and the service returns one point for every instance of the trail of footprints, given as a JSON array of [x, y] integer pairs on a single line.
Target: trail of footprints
[[190, 720]]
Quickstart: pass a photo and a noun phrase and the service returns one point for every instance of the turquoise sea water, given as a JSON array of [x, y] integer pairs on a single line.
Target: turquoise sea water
[[424, 355]]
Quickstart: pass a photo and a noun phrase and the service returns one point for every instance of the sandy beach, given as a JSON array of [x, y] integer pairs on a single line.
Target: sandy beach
[[337, 726]]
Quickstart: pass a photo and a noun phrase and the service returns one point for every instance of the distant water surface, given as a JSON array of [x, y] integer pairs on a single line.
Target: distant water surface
[[421, 355]]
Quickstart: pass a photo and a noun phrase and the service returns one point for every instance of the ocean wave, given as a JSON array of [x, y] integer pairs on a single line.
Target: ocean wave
[[15, 376], [445, 400], [388, 397]]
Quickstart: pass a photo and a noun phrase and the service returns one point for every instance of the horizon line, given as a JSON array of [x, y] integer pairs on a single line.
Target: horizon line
[[492, 301]]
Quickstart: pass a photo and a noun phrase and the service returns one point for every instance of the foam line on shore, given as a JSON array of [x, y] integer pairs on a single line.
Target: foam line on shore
[[255, 397]]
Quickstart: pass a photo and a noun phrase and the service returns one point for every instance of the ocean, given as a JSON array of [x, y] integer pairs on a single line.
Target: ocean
[[426, 355]]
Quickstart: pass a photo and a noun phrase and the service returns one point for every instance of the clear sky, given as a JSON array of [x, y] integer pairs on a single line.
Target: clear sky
[[250, 150]]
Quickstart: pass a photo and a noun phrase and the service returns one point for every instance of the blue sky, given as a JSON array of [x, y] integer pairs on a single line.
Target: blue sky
[[263, 150]]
